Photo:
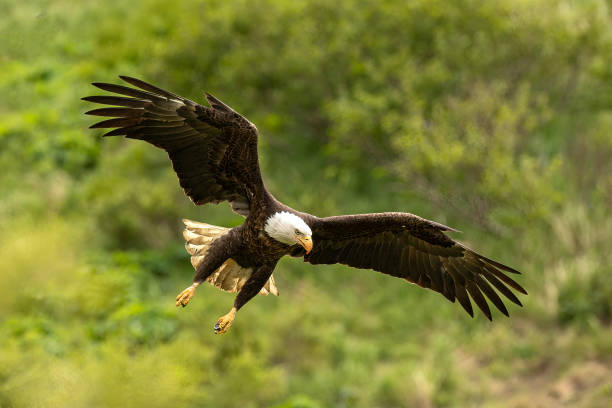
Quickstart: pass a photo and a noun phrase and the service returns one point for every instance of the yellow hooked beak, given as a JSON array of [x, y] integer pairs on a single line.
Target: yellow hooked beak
[[306, 242]]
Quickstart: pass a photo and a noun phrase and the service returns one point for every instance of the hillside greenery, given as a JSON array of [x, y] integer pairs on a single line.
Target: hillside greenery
[[492, 117]]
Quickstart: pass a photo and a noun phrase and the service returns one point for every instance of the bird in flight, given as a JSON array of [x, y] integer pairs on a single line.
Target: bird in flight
[[213, 150]]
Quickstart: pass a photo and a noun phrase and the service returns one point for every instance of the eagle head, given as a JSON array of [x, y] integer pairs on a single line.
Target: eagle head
[[289, 229]]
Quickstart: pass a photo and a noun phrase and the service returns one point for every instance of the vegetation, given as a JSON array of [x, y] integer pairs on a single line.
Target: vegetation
[[492, 117]]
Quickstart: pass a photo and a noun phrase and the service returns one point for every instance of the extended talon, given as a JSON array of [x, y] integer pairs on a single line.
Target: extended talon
[[225, 322], [185, 296]]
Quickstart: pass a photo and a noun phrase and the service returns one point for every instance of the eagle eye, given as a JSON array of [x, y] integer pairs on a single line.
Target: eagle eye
[[297, 232]]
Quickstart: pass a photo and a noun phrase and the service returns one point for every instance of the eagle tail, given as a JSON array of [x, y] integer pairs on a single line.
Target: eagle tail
[[230, 276]]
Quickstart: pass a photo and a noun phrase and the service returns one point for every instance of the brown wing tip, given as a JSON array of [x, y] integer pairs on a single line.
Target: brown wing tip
[[132, 81], [489, 260], [95, 112], [514, 285], [139, 83], [116, 132], [500, 265], [127, 78]]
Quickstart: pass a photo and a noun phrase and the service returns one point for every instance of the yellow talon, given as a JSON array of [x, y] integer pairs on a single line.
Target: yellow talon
[[225, 322], [185, 296]]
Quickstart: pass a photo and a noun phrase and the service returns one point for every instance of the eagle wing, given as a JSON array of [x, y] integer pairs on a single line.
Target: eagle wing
[[415, 249], [213, 149]]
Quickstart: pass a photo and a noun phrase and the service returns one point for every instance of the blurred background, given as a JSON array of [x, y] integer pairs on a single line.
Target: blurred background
[[492, 117]]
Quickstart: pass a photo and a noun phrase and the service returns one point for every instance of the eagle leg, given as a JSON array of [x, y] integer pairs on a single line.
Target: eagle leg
[[218, 252], [225, 322], [185, 296], [252, 286]]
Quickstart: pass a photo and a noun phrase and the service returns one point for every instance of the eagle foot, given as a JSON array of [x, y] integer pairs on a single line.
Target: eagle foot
[[225, 322], [185, 296]]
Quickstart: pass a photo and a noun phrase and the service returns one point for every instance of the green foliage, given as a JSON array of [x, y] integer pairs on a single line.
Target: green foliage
[[584, 287], [492, 117]]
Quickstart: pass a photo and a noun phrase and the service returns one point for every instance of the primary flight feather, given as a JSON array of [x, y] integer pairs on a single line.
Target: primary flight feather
[[213, 150]]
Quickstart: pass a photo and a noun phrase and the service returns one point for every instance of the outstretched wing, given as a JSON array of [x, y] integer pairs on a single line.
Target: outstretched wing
[[417, 250], [213, 149]]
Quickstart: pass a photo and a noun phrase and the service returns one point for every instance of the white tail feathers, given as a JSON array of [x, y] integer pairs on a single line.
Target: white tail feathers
[[230, 276]]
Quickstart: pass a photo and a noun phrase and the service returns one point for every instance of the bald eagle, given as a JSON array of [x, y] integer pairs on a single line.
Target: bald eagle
[[213, 150]]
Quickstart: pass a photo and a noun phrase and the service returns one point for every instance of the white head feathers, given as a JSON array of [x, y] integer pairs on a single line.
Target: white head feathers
[[286, 227]]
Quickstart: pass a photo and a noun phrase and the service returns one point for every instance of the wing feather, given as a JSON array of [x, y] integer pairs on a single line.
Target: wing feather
[[417, 250], [213, 149], [479, 299], [117, 101], [502, 288], [491, 294]]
